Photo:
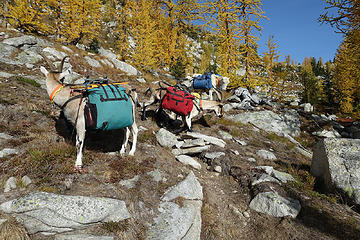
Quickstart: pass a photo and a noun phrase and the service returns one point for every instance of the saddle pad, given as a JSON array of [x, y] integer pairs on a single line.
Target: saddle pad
[[202, 81], [108, 108], [178, 101]]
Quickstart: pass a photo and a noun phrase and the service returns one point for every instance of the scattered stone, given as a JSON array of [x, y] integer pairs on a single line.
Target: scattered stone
[[307, 107], [327, 134], [92, 62], [251, 160], [8, 151], [187, 160], [264, 178], [67, 49], [127, 68], [81, 237], [49, 213], [6, 75], [156, 174], [282, 176], [214, 155], [190, 151], [53, 52], [212, 140], [2, 221], [218, 169], [10, 184], [26, 181], [189, 189], [130, 183], [273, 204], [242, 143], [179, 222], [235, 152], [166, 138], [141, 128], [225, 135], [175, 222], [141, 80], [188, 143], [266, 154]]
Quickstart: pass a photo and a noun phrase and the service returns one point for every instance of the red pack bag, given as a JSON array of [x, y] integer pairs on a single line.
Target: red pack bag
[[178, 101]]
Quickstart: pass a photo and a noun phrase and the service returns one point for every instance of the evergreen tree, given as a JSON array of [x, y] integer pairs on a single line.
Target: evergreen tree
[[311, 84]]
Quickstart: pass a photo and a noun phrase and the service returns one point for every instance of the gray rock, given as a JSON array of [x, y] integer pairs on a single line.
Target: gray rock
[[141, 80], [26, 181], [5, 136], [187, 160], [67, 49], [130, 183], [166, 138], [52, 213], [218, 169], [273, 204], [264, 178], [190, 151], [188, 143], [189, 189], [287, 123], [10, 184], [6, 75], [28, 57], [176, 223], [53, 52], [212, 140], [2, 221], [6, 50], [327, 134], [307, 107], [156, 174], [336, 164], [214, 155], [8, 151], [81, 237], [20, 41], [282, 176], [225, 135], [227, 107], [266, 154], [92, 62], [234, 98], [127, 68]]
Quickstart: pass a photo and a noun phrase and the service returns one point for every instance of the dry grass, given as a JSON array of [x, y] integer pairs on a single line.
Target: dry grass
[[12, 230]]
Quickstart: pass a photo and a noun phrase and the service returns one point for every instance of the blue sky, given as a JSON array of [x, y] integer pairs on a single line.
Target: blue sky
[[295, 27]]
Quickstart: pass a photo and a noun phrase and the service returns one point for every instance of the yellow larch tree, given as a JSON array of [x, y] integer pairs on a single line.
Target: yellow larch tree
[[144, 32], [80, 19], [271, 57], [249, 17], [27, 15], [221, 18]]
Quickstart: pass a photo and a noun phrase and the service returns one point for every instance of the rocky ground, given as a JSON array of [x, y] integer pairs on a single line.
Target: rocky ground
[[38, 143]]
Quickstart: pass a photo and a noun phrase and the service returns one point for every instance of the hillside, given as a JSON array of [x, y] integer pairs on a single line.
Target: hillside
[[41, 145]]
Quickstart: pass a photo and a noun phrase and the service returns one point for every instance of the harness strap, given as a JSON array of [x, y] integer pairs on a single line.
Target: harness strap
[[56, 91]]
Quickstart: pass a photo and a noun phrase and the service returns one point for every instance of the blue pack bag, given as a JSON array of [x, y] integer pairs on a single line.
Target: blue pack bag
[[108, 108], [202, 81]]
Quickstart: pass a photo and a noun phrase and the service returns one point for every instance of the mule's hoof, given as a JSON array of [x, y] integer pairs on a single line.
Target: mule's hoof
[[79, 169]]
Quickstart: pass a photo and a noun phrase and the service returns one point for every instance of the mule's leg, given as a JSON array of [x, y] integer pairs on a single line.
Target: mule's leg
[[80, 138], [210, 94], [126, 139], [134, 131]]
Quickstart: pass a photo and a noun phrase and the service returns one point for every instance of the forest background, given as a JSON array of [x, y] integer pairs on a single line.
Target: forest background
[[161, 35]]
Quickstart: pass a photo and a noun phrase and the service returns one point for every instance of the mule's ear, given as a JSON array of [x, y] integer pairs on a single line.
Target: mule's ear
[[44, 71]]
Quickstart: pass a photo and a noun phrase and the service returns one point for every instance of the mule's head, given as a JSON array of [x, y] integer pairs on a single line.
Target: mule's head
[[54, 74], [219, 110]]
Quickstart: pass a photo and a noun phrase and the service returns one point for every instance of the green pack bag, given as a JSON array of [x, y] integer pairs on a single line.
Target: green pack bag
[[108, 108]]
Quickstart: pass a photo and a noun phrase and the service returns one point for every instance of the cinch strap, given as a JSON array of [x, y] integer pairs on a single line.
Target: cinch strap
[[56, 91]]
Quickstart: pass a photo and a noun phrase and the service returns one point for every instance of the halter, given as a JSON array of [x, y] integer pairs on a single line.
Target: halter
[[56, 91]]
